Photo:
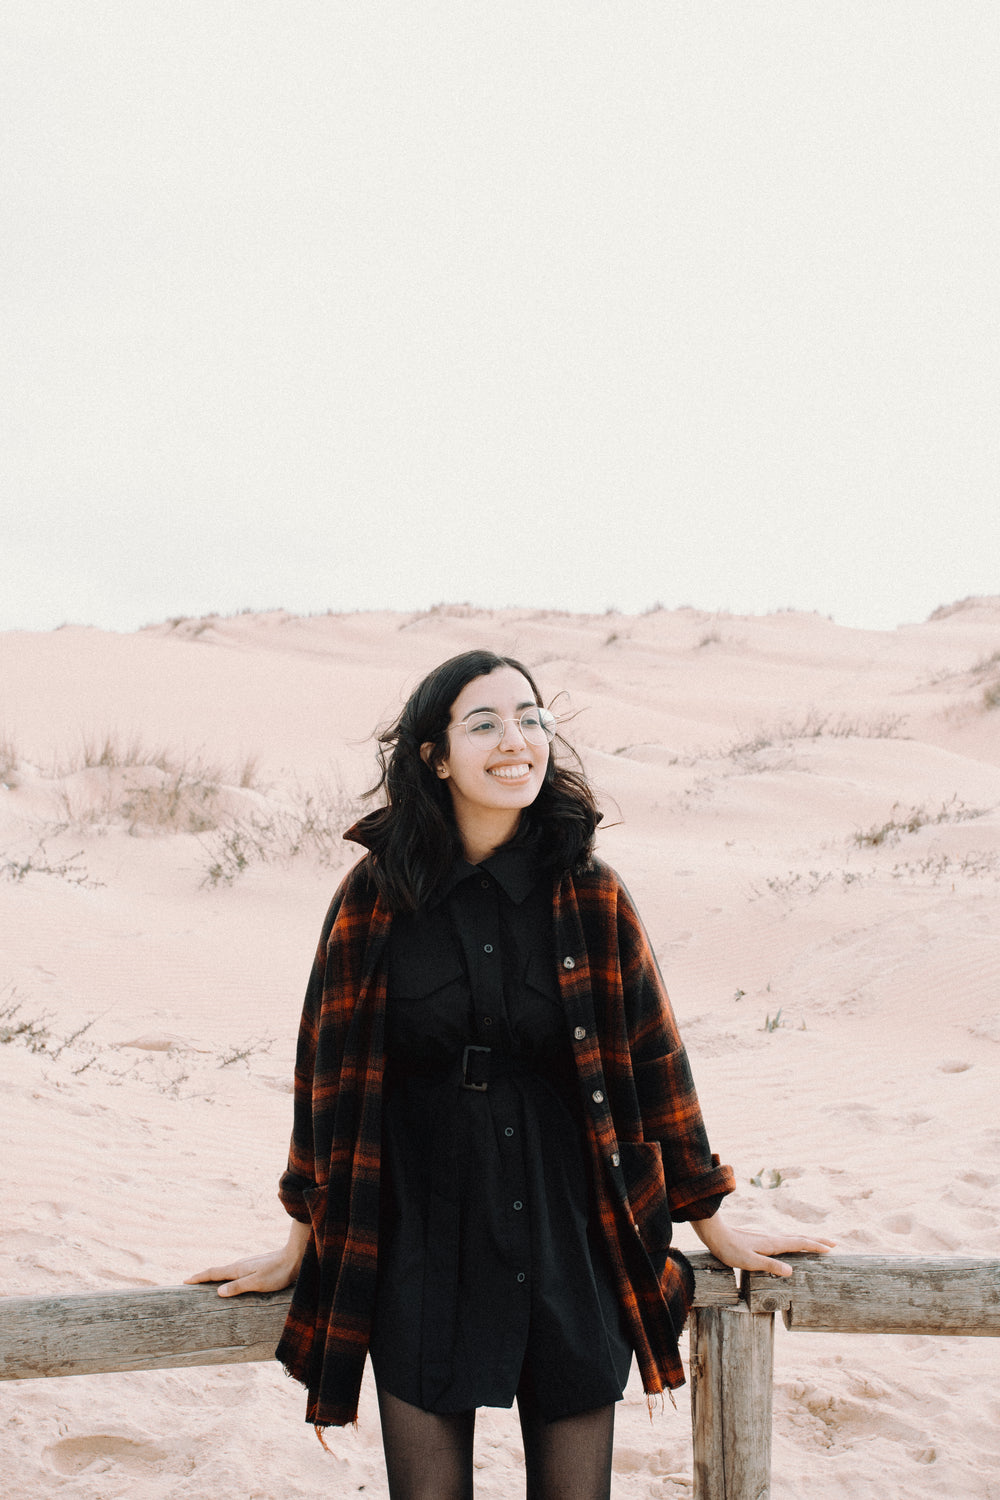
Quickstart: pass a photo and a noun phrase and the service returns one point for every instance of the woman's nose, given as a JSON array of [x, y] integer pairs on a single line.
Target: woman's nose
[[512, 738]]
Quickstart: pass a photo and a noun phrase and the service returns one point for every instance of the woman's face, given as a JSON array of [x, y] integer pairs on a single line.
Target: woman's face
[[487, 779]]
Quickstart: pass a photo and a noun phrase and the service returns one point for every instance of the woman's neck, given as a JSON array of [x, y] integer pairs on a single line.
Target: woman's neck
[[482, 837]]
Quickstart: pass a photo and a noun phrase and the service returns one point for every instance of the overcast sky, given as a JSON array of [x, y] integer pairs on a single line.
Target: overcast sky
[[346, 306]]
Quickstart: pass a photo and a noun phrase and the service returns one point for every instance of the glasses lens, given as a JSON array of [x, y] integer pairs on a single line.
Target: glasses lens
[[485, 727], [537, 725]]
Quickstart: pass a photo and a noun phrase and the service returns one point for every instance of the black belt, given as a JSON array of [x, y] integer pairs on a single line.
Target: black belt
[[483, 1065]]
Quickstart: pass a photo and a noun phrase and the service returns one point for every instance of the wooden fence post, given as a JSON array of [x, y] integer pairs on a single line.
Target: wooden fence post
[[732, 1361]]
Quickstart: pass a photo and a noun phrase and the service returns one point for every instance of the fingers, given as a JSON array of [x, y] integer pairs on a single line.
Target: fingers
[[789, 1244], [215, 1273], [229, 1287], [236, 1278], [234, 1288], [795, 1245]]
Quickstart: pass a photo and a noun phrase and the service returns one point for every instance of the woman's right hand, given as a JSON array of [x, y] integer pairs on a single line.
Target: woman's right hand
[[270, 1272]]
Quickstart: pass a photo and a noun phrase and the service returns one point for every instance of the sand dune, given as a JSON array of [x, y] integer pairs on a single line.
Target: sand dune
[[809, 819]]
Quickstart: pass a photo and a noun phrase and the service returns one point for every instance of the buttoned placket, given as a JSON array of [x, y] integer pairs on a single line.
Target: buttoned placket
[[482, 947]]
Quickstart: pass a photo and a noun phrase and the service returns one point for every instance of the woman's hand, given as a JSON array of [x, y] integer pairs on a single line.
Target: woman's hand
[[752, 1249], [270, 1272]]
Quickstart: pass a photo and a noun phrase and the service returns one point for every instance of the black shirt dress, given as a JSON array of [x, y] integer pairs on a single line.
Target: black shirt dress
[[492, 1280]]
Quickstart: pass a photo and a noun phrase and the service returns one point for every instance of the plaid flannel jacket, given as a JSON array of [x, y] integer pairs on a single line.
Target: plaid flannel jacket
[[649, 1156]]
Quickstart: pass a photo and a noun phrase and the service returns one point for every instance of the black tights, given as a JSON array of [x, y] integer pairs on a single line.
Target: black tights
[[429, 1457]]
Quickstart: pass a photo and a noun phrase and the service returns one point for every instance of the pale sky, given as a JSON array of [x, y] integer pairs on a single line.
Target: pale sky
[[337, 306]]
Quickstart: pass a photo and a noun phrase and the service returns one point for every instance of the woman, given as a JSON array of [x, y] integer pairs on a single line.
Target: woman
[[494, 1119]]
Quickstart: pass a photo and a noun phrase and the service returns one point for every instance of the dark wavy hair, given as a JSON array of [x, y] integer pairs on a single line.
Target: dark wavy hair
[[414, 839]]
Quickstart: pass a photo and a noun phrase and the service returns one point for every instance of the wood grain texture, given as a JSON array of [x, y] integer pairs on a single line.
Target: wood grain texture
[[162, 1328], [732, 1359], [90, 1333], [884, 1294]]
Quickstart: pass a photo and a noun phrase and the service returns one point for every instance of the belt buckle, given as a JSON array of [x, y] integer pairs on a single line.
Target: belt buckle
[[479, 1088]]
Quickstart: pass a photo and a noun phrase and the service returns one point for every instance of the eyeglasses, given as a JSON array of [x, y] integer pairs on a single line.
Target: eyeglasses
[[537, 727]]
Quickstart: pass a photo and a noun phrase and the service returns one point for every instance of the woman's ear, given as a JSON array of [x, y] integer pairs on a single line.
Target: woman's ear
[[426, 751]]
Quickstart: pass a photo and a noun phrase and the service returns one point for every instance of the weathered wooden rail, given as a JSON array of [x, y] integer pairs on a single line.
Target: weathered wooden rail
[[732, 1337]]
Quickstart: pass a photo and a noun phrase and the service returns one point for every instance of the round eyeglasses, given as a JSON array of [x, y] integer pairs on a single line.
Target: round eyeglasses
[[537, 726]]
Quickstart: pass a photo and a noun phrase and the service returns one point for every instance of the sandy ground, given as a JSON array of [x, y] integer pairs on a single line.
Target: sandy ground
[[809, 819]]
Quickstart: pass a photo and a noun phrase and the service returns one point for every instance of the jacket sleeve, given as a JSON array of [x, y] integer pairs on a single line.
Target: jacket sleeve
[[696, 1181], [300, 1175]]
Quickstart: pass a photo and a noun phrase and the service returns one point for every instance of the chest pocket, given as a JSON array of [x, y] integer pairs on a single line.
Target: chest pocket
[[427, 1015], [537, 1019]]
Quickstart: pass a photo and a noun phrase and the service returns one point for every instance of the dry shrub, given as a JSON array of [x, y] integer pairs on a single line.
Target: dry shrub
[[912, 820], [9, 761], [146, 799], [311, 822]]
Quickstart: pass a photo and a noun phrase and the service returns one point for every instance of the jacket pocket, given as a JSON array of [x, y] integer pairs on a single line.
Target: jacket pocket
[[646, 1189]]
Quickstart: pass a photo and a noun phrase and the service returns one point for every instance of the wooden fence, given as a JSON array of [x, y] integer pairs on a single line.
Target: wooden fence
[[732, 1337]]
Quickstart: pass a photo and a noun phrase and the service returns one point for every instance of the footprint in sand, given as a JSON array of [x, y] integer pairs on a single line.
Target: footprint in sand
[[922, 1236], [898, 1224], [102, 1451]]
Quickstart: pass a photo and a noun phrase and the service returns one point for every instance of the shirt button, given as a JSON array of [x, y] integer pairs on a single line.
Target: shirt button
[[487, 1020], [487, 947], [597, 1097], [485, 884], [520, 1275], [579, 1033], [509, 1131], [518, 1204], [569, 963]]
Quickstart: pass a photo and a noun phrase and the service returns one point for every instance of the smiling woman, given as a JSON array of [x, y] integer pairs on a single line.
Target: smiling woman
[[495, 1124], [498, 753]]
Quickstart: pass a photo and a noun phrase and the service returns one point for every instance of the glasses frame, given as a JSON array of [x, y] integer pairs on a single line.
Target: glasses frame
[[545, 717]]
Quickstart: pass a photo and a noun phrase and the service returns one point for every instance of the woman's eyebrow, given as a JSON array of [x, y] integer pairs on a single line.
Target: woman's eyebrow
[[486, 708]]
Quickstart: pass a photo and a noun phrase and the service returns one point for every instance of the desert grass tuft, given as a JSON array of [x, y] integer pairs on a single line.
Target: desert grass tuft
[[9, 761], [311, 823], [70, 868], [28, 1031], [911, 821], [813, 726], [183, 799]]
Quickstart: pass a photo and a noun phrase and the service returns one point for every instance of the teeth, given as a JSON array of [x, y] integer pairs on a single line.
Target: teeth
[[510, 773]]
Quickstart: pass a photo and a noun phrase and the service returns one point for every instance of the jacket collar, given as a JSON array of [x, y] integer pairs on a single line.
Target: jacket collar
[[513, 867]]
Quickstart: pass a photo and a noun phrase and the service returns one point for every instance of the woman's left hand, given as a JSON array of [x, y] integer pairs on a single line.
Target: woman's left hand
[[753, 1249]]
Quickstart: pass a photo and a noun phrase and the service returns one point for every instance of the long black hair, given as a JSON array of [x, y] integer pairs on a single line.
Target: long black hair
[[414, 839]]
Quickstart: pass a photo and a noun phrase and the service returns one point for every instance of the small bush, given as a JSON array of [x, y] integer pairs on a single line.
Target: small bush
[[71, 869], [312, 824], [32, 1033], [912, 821], [9, 761], [813, 726]]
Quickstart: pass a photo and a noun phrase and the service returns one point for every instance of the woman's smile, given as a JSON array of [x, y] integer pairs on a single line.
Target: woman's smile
[[506, 772]]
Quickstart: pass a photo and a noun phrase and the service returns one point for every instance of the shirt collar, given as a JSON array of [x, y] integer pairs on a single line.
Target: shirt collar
[[514, 869]]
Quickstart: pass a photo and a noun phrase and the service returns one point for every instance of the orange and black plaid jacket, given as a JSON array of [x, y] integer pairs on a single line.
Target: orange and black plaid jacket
[[649, 1156]]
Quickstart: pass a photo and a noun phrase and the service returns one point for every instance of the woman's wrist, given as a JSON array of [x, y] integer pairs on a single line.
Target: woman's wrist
[[298, 1242]]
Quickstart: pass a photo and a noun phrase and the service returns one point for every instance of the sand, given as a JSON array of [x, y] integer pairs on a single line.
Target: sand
[[809, 819]]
